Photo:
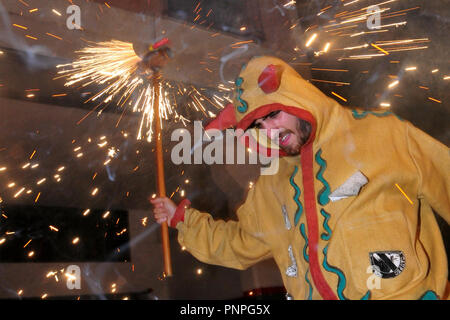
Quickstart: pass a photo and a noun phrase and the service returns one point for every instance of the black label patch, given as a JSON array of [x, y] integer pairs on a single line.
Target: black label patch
[[387, 264]]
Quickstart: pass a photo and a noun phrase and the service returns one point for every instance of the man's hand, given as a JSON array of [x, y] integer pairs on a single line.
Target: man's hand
[[164, 209]]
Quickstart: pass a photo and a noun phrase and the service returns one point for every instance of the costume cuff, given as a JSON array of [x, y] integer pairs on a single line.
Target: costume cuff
[[179, 212]]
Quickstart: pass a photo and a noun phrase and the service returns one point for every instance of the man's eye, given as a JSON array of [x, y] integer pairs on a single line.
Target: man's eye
[[273, 114], [254, 125]]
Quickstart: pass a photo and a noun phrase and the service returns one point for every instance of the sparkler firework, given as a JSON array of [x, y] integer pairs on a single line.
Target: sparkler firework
[[132, 73], [116, 66]]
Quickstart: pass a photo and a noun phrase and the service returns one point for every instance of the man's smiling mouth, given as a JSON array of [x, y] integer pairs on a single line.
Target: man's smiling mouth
[[284, 138]]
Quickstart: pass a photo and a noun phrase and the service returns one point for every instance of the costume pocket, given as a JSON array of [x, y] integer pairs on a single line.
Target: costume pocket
[[380, 253]]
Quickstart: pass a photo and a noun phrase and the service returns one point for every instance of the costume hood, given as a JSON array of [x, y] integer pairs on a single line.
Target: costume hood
[[267, 84]]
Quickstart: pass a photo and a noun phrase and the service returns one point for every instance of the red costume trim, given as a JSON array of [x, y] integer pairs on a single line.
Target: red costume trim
[[309, 190], [224, 120], [309, 195], [179, 213]]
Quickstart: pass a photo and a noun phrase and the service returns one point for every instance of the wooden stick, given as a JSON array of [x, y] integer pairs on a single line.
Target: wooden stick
[[160, 177]]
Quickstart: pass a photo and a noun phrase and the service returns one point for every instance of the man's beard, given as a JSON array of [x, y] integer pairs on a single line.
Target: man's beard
[[303, 129]]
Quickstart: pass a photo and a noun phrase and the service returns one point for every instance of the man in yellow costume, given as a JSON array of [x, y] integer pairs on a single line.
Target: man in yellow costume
[[352, 198]]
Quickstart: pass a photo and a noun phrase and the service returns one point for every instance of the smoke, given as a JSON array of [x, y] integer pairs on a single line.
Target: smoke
[[224, 59], [32, 54], [93, 278]]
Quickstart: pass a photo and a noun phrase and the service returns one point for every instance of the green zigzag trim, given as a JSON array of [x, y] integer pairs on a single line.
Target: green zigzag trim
[[299, 211], [367, 295], [323, 194], [303, 233], [325, 236], [244, 105], [309, 285], [364, 114], [342, 281], [429, 295]]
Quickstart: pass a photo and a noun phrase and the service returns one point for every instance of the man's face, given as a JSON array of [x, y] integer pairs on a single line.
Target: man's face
[[292, 132]]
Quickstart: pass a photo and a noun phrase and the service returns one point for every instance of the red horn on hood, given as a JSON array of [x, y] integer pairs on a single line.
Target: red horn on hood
[[270, 79], [224, 120]]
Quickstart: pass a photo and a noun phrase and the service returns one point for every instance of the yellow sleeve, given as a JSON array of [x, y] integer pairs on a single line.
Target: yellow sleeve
[[233, 244], [432, 160]]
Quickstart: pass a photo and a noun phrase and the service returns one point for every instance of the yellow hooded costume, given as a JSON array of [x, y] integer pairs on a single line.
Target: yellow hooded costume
[[351, 217]]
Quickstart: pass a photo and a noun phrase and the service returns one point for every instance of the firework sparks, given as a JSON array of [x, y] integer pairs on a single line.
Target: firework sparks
[[19, 192], [20, 26], [398, 187], [115, 66], [435, 100], [382, 50], [340, 97], [311, 40], [134, 92], [53, 228], [393, 84], [94, 192]]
